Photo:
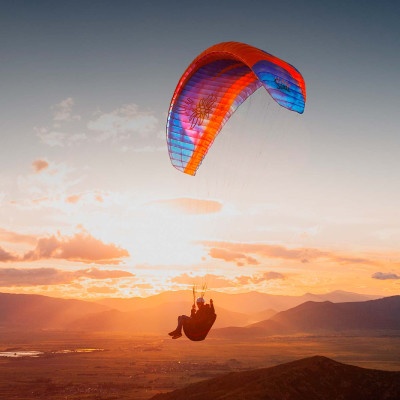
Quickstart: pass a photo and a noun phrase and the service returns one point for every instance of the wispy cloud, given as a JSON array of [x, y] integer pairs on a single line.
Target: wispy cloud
[[258, 278], [122, 122], [54, 137], [14, 237], [240, 259], [385, 275], [214, 281], [102, 289], [218, 282], [52, 181], [192, 206], [244, 253], [137, 129], [53, 276], [63, 110]]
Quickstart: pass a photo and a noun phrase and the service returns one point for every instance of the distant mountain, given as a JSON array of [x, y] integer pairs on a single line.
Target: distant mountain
[[326, 317], [158, 314], [246, 303], [160, 319], [33, 312], [22, 311], [314, 378]]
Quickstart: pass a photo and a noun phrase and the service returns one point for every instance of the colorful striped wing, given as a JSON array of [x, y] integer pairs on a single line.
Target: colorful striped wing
[[213, 87]]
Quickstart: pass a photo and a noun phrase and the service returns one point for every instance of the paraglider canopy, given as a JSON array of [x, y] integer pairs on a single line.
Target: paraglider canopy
[[212, 88]]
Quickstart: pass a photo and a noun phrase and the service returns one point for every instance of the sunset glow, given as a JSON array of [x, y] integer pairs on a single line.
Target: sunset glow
[[90, 205]]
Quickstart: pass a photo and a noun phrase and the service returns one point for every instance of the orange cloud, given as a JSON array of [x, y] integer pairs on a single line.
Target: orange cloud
[[102, 289], [230, 256], [266, 276], [192, 206], [230, 251], [216, 281], [81, 247], [86, 196], [73, 199], [53, 276], [212, 280], [5, 256], [12, 237], [40, 165]]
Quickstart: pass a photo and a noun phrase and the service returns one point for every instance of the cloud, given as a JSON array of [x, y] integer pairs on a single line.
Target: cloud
[[239, 258], [5, 256], [120, 123], [102, 289], [385, 275], [63, 110], [73, 199], [13, 237], [53, 276], [55, 138], [40, 165], [212, 280], [218, 282], [91, 197], [240, 252], [52, 182], [81, 247], [258, 278], [191, 206], [273, 275]]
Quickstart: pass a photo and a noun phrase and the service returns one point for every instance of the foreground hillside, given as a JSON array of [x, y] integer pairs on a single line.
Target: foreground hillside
[[314, 378]]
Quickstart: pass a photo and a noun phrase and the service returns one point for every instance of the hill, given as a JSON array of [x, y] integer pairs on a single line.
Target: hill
[[21, 311], [326, 317], [314, 378], [158, 314], [35, 312], [245, 303], [160, 319]]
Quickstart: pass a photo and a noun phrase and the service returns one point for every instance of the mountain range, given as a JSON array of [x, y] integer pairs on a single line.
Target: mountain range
[[313, 378], [250, 313], [325, 318]]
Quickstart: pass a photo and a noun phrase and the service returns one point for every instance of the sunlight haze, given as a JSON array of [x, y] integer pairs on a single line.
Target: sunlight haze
[[90, 205]]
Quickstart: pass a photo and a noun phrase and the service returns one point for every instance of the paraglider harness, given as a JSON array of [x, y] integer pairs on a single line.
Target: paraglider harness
[[196, 329]]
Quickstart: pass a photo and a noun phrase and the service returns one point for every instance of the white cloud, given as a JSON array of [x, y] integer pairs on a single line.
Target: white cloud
[[55, 138], [63, 110], [55, 180], [121, 123]]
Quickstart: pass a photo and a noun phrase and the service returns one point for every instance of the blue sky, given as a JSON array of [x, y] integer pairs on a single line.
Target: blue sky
[[86, 87]]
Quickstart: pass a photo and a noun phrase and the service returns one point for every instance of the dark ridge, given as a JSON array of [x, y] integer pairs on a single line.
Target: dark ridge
[[313, 378]]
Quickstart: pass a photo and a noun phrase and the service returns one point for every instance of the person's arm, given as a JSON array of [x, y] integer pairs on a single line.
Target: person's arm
[[193, 311], [212, 306]]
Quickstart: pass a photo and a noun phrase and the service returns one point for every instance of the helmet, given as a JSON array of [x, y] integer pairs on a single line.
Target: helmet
[[200, 300]]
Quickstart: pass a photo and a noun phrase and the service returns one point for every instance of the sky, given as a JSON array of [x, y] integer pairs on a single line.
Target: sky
[[90, 205]]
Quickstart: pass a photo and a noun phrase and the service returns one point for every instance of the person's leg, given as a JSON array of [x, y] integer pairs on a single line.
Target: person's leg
[[181, 320], [178, 330]]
